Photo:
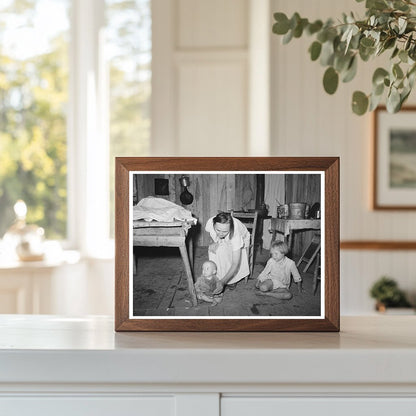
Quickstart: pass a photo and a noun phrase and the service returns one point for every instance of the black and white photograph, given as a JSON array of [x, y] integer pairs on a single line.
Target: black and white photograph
[[228, 244]]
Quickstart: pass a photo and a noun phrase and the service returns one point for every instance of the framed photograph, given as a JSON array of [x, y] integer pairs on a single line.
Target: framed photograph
[[227, 244], [394, 180]]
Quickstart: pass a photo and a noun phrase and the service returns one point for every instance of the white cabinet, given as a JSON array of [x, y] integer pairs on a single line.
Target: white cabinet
[[87, 406], [79, 366], [322, 406]]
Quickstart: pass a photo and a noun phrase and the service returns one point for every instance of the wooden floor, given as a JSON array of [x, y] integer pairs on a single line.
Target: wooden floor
[[160, 289]]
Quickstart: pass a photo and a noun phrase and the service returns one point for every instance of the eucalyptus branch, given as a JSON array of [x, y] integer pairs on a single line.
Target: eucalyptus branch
[[388, 26]]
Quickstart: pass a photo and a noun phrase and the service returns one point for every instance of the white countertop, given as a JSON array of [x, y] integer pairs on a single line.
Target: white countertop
[[53, 349]]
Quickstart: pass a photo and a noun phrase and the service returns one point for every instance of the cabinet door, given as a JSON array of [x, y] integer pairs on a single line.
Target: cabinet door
[[273, 406], [88, 406]]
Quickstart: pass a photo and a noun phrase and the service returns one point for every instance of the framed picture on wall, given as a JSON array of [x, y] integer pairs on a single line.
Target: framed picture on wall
[[227, 244], [394, 178]]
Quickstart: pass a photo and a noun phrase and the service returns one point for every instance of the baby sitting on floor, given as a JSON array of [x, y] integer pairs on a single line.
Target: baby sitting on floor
[[207, 283]]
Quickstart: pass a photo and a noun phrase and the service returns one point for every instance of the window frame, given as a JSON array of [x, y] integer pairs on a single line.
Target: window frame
[[87, 133]]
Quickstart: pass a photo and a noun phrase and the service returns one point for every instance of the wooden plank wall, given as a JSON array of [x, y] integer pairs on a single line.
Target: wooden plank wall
[[302, 188], [212, 193]]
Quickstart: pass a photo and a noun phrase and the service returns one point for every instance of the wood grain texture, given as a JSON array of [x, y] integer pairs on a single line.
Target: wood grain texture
[[122, 254], [378, 245], [330, 165], [331, 259]]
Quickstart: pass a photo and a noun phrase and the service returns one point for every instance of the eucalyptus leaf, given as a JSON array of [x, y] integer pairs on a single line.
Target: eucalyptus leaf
[[399, 85], [314, 27], [281, 26], [389, 43], [376, 36], [355, 41], [411, 76], [342, 62], [330, 80], [379, 75], [298, 30], [404, 95], [403, 56], [393, 101], [397, 71], [378, 89], [412, 52], [400, 5], [412, 70], [402, 22], [315, 50], [327, 53], [350, 18], [376, 4], [294, 21], [395, 52], [367, 42], [411, 79], [359, 103], [374, 102], [346, 34], [366, 53], [288, 37], [322, 35], [353, 31], [350, 73]]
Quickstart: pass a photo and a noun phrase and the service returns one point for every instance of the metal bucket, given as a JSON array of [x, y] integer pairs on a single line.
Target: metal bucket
[[298, 210]]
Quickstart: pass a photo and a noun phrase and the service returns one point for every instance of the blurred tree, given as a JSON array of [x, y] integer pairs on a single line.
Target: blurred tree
[[34, 100], [33, 96]]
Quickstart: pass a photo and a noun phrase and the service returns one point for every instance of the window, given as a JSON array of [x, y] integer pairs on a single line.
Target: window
[[33, 99], [129, 46], [75, 87]]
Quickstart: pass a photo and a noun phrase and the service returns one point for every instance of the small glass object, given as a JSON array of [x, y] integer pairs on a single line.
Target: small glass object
[[26, 241]]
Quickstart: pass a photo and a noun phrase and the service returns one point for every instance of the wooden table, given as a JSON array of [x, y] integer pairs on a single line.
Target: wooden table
[[287, 226], [168, 234]]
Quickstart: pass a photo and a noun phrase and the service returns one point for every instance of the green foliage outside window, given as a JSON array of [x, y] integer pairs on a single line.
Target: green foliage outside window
[[34, 103], [33, 99]]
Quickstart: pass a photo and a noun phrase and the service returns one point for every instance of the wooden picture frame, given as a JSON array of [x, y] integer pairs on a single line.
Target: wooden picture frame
[[272, 168], [394, 158]]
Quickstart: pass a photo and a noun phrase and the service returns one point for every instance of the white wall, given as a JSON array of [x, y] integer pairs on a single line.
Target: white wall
[[203, 94], [308, 122], [211, 73], [202, 83]]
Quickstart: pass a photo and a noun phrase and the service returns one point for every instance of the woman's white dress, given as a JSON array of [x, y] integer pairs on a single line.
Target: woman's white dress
[[223, 256]]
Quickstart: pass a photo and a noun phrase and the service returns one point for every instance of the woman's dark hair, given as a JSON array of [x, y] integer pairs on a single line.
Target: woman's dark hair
[[225, 218]]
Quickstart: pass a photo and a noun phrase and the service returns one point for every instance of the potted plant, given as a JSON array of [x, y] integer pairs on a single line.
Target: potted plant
[[387, 294]]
